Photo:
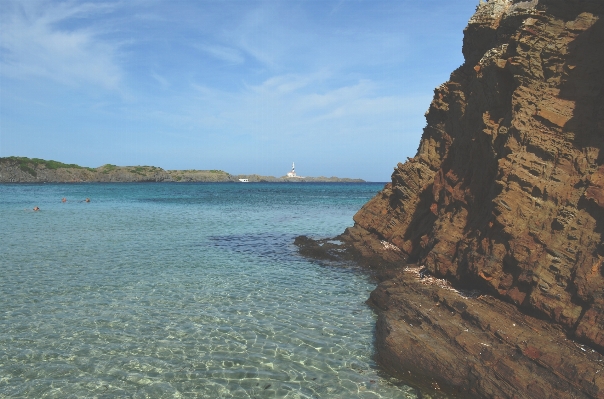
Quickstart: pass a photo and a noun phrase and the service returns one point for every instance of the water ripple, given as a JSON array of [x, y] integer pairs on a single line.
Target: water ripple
[[199, 293]]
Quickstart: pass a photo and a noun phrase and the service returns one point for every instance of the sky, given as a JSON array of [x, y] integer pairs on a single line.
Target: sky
[[338, 87]]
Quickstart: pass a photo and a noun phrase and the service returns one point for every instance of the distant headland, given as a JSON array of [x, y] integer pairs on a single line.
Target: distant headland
[[36, 170]]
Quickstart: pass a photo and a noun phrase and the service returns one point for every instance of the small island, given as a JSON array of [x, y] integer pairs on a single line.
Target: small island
[[35, 170]]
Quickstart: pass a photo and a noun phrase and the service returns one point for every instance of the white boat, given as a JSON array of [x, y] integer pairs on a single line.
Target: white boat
[[244, 180]]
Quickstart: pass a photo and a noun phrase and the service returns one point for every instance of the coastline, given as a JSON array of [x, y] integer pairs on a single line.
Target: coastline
[[34, 170], [487, 245], [458, 342]]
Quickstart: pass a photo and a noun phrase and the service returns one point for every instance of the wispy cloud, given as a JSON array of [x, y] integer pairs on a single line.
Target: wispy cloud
[[224, 81], [281, 84], [161, 80], [226, 54], [34, 45], [296, 105]]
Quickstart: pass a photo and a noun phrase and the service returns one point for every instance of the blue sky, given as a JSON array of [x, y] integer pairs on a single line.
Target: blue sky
[[339, 87]]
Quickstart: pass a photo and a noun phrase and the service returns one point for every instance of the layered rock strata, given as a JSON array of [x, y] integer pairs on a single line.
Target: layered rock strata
[[505, 196]]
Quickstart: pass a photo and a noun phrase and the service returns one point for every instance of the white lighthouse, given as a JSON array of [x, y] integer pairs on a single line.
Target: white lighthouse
[[293, 172]]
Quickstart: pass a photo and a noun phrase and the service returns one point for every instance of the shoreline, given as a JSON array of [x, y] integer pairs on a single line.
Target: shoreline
[[503, 199], [455, 342], [317, 180], [34, 170]]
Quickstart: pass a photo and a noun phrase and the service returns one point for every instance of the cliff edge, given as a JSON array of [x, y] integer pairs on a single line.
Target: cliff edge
[[501, 212]]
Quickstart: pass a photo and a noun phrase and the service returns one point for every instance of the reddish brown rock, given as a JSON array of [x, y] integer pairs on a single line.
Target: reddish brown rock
[[470, 346], [506, 196], [595, 191]]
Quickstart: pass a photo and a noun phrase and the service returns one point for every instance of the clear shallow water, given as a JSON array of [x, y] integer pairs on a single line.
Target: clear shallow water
[[182, 291]]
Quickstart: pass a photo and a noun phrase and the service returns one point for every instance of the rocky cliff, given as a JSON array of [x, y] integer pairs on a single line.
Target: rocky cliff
[[504, 197]]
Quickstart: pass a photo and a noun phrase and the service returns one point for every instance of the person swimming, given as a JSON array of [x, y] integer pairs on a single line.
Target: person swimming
[[64, 199], [36, 208], [87, 200]]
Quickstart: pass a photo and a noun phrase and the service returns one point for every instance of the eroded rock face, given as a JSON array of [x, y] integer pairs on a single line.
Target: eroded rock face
[[506, 192]]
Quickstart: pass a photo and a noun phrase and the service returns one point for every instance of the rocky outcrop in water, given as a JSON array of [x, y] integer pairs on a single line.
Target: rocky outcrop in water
[[505, 198]]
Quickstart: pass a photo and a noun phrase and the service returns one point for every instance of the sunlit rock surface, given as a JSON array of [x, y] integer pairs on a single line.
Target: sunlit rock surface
[[505, 198]]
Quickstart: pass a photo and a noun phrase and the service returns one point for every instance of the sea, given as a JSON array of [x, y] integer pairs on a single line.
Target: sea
[[183, 290]]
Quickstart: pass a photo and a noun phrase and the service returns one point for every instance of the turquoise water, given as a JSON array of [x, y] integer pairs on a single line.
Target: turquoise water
[[182, 291]]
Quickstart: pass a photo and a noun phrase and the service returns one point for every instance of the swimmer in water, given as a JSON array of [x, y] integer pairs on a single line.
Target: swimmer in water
[[36, 208], [64, 199], [87, 200]]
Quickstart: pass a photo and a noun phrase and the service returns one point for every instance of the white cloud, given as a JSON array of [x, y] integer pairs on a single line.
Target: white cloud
[[295, 106], [32, 44], [161, 80], [227, 54], [283, 84], [336, 96]]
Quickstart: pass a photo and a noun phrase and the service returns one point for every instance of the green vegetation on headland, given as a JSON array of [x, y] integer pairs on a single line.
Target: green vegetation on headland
[[36, 170], [29, 165]]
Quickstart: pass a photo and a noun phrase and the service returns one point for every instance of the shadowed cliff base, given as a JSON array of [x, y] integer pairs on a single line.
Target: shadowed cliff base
[[502, 212]]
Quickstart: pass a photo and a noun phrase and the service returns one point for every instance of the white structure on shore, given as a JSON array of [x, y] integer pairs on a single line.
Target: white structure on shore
[[293, 172]]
